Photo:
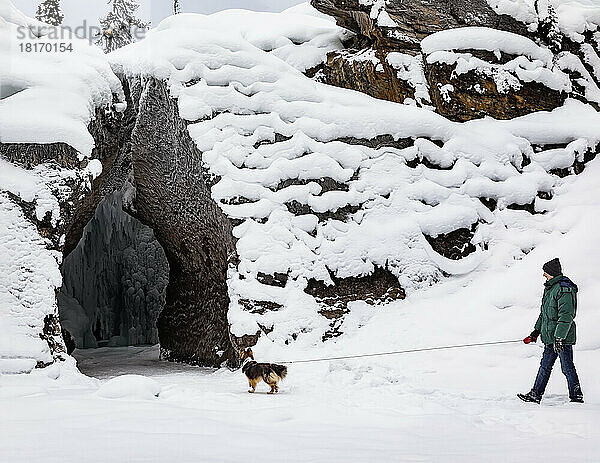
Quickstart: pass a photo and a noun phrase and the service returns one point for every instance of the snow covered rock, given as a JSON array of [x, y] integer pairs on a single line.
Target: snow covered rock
[[396, 77], [330, 192], [47, 102], [386, 48], [281, 203], [476, 71], [471, 60], [396, 25], [49, 97], [130, 387]]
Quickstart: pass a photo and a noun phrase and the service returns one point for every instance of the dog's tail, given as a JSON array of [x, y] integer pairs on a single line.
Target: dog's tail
[[279, 370]]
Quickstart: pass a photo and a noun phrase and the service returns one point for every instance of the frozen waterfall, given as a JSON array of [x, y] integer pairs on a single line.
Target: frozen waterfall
[[114, 282]]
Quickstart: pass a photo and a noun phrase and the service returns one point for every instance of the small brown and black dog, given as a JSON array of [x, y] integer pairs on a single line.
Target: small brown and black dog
[[270, 373]]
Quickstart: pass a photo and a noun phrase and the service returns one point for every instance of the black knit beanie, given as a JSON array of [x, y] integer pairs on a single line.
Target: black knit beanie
[[553, 267]]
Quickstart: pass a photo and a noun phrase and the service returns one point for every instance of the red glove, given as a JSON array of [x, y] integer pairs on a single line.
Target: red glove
[[532, 337]]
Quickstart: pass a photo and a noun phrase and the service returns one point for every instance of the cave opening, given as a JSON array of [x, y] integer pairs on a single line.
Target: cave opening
[[114, 282]]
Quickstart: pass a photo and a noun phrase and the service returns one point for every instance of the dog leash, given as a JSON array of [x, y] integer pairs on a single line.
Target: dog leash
[[408, 351]]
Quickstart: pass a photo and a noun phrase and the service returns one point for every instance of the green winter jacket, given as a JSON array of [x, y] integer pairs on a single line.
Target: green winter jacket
[[559, 307]]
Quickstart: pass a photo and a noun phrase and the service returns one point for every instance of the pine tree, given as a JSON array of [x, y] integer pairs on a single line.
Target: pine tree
[[176, 7], [49, 12], [548, 28], [117, 27]]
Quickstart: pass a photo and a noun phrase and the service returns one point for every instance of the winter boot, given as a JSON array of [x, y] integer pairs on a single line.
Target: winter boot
[[530, 397], [576, 395]]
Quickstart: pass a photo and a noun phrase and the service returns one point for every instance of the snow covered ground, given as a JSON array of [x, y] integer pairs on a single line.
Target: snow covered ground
[[449, 407], [456, 405]]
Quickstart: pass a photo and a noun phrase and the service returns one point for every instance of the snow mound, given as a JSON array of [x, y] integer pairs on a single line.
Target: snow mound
[[530, 64], [52, 95], [270, 136], [575, 18], [301, 36], [485, 38], [130, 387]]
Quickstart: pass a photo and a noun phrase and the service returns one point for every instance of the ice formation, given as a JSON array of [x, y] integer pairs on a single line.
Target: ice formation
[[114, 282]]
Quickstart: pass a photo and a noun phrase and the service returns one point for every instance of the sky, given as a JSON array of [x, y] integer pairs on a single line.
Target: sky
[[76, 11]]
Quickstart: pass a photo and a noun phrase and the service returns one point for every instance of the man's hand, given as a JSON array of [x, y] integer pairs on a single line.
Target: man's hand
[[532, 337], [559, 345]]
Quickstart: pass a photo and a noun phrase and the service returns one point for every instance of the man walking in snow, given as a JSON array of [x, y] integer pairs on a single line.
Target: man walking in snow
[[557, 327]]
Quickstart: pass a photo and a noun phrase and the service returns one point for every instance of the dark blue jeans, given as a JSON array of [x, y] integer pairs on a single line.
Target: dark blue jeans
[[568, 369]]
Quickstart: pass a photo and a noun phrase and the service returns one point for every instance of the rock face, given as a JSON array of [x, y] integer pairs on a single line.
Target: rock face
[[386, 31], [147, 147], [394, 29], [365, 73], [474, 95], [172, 195], [400, 25], [159, 171]]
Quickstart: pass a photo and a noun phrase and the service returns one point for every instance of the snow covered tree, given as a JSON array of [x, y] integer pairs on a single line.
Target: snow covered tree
[[176, 7], [549, 28], [117, 28], [548, 25], [49, 12]]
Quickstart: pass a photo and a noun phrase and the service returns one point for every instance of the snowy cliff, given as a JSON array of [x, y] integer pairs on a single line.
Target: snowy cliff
[[47, 102], [327, 186], [282, 203]]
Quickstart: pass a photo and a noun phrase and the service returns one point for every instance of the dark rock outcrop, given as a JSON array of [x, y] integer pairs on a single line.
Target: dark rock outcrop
[[454, 245], [373, 76], [380, 286], [172, 196], [415, 20], [112, 134], [474, 95], [51, 333], [399, 26], [148, 146], [33, 154]]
